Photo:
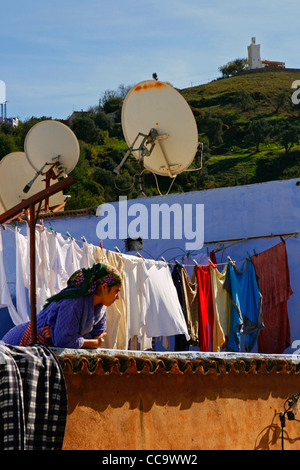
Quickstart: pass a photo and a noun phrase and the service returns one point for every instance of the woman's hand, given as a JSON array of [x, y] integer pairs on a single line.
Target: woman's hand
[[95, 342], [46, 331], [100, 339]]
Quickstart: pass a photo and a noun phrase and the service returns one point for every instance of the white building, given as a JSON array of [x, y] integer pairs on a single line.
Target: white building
[[254, 59]]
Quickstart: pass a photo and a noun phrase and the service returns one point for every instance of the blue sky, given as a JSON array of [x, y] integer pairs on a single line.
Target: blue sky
[[57, 56]]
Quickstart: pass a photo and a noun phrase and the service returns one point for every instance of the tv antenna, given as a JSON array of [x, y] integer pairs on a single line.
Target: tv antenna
[[160, 130]]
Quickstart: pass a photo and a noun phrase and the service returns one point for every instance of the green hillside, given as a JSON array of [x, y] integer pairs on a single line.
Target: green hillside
[[259, 132], [248, 125]]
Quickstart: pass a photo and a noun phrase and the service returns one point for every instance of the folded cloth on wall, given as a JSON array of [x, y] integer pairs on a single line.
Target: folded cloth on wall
[[246, 311], [271, 266], [33, 401]]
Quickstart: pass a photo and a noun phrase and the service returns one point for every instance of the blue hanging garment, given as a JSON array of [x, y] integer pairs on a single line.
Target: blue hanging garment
[[246, 306]]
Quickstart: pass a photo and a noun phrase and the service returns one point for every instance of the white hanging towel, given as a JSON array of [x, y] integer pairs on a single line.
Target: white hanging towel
[[154, 308], [22, 283], [136, 276], [164, 316], [5, 297]]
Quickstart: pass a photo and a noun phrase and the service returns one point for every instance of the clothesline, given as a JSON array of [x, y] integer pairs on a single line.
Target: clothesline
[[235, 241]]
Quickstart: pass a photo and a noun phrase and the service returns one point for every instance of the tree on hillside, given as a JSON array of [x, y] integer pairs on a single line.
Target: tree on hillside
[[212, 127], [258, 132], [232, 68], [86, 130], [245, 100], [288, 133]]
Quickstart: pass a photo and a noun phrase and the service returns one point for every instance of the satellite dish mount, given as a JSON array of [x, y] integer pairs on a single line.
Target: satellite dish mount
[[144, 149], [55, 171]]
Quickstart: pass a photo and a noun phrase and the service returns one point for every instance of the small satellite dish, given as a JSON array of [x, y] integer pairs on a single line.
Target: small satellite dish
[[158, 113], [48, 142], [15, 172]]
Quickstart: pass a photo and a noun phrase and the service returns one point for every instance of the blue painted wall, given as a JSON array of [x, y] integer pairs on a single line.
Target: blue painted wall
[[229, 213]]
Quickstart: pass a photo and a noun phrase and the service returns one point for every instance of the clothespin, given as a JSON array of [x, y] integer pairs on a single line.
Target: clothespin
[[254, 252], [83, 238], [211, 263], [52, 230], [195, 262], [69, 236], [230, 260], [117, 249], [163, 259], [248, 254], [139, 255], [177, 262]]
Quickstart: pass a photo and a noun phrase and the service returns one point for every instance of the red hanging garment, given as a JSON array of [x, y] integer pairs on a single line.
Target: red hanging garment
[[271, 266], [205, 307]]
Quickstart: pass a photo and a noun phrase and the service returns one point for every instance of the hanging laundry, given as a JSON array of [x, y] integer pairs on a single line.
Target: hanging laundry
[[246, 306], [181, 343], [205, 307], [164, 316], [188, 297], [271, 267], [136, 275], [22, 282], [5, 297], [153, 306], [222, 308], [117, 314]]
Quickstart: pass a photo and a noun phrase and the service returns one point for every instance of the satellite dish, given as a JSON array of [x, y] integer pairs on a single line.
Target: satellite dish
[[49, 142], [159, 114], [15, 172]]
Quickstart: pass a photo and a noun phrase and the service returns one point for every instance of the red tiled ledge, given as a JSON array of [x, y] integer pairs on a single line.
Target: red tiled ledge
[[119, 362]]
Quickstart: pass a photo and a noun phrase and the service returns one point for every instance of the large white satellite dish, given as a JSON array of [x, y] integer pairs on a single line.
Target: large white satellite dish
[[15, 173], [50, 141], [158, 113]]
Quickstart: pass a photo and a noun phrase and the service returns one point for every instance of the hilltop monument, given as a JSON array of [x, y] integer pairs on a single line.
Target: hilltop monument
[[254, 59]]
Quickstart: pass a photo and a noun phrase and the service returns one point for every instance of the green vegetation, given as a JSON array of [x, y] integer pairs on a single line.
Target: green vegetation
[[248, 124]]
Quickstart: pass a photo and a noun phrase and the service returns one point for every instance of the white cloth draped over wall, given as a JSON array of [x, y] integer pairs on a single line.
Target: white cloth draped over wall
[[148, 305]]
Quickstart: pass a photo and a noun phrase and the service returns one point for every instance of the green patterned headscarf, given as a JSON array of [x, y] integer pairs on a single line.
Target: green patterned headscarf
[[85, 281]]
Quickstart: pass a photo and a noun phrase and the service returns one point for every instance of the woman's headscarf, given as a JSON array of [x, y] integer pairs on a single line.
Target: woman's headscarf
[[85, 281]]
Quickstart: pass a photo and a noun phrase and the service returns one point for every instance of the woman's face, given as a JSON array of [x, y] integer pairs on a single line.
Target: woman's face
[[106, 295]]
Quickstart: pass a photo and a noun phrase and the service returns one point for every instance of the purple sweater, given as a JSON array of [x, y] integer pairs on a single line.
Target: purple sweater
[[71, 321]]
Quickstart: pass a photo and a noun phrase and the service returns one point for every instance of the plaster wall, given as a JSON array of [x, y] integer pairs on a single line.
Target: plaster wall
[[189, 409]]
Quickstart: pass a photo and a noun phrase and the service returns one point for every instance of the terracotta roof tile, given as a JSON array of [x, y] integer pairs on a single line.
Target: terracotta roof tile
[[107, 362]]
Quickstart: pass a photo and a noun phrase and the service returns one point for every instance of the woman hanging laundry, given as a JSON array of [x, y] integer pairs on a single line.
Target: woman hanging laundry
[[76, 316]]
